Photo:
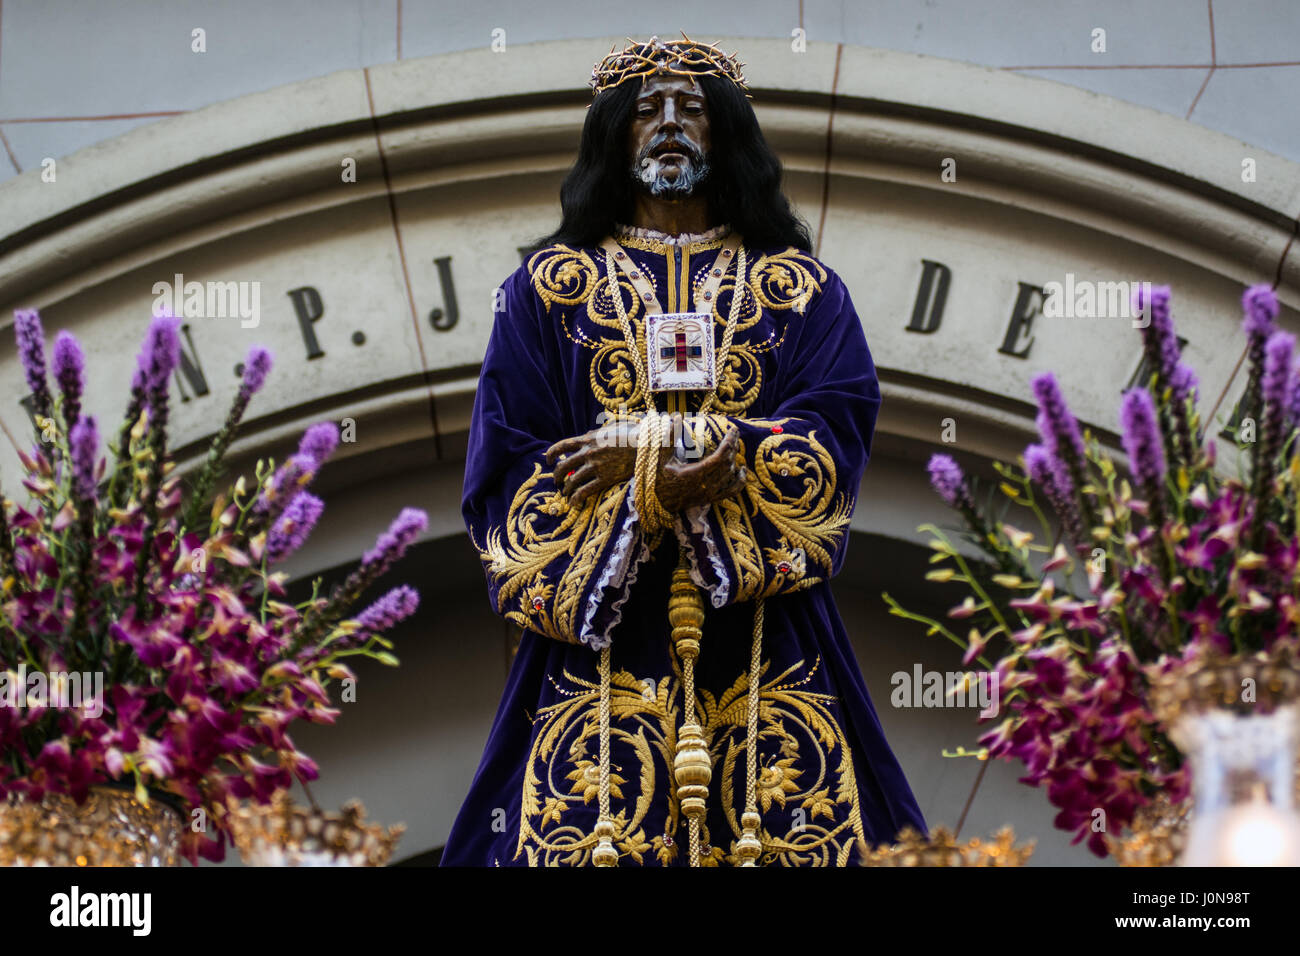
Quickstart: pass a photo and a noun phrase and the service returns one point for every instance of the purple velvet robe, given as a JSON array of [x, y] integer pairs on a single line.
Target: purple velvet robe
[[801, 387]]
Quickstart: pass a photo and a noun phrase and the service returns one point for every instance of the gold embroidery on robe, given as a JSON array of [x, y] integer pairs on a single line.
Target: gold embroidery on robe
[[805, 770], [518, 553], [570, 277], [811, 519], [562, 276], [786, 280]]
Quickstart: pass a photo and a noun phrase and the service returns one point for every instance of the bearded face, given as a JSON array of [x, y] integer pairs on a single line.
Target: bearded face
[[670, 169], [668, 138]]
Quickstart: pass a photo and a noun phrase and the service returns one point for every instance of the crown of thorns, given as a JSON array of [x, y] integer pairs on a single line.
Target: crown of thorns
[[683, 57]]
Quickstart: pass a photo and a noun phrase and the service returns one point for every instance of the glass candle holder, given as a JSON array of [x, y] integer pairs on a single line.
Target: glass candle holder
[[1243, 791]]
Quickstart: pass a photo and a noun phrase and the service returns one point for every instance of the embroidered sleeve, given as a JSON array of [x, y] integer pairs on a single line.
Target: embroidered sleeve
[[551, 568], [788, 527]]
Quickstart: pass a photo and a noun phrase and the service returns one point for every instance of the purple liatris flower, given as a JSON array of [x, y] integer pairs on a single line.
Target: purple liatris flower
[[83, 444], [1058, 426], [69, 372], [1260, 305], [319, 441], [1278, 354], [1259, 302], [294, 475], [1159, 341], [397, 605], [293, 526], [392, 544], [389, 547], [31, 352], [947, 479], [1064, 443], [1293, 398], [1046, 470], [1039, 468], [161, 353], [1142, 441], [1275, 392], [1183, 382], [256, 367]]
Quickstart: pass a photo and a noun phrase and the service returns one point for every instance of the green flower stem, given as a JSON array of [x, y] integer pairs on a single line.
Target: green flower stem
[[970, 579], [899, 611], [123, 452], [216, 453]]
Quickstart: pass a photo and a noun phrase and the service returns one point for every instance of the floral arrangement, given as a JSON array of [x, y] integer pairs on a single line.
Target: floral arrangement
[[1155, 570], [115, 567]]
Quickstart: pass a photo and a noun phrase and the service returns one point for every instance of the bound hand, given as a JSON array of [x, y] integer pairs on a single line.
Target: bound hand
[[718, 475], [586, 465]]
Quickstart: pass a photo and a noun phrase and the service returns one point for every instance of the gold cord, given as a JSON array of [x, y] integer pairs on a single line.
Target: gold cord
[[650, 438], [749, 846], [728, 334], [629, 337]]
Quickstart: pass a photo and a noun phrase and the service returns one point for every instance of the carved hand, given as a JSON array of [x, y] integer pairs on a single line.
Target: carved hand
[[587, 464], [718, 475]]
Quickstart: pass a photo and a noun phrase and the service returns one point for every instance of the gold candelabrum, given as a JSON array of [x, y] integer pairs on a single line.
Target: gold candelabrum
[[940, 848], [110, 828], [1156, 837], [283, 833], [1245, 683]]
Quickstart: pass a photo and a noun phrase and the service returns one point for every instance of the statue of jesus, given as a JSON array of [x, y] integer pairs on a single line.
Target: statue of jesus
[[675, 411]]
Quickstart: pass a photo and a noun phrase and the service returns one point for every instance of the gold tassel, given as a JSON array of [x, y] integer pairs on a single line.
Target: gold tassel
[[692, 766]]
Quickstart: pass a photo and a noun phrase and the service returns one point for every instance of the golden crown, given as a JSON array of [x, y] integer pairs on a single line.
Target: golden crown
[[682, 57]]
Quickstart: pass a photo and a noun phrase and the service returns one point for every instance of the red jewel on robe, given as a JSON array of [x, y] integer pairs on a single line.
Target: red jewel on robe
[[777, 429]]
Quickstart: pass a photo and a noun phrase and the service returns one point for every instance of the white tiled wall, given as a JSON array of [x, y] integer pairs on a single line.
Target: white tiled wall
[[74, 72]]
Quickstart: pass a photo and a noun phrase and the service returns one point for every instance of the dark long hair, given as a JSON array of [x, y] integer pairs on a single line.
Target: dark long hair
[[743, 186]]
